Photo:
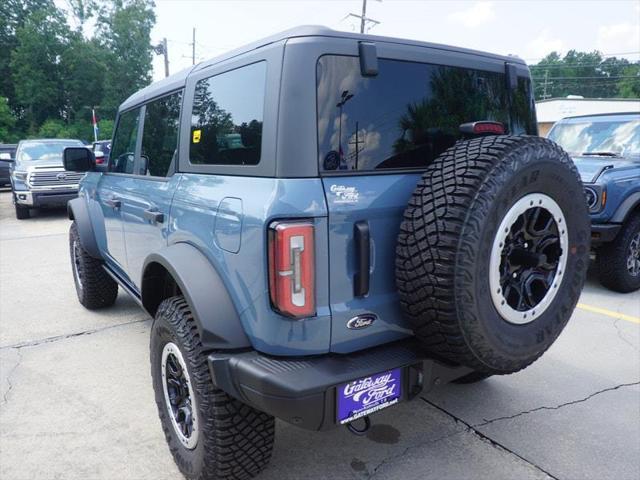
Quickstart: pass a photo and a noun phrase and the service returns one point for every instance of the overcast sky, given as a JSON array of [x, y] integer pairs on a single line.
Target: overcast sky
[[530, 29]]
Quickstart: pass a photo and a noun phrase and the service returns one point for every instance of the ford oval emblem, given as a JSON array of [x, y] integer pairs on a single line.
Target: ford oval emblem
[[361, 321]]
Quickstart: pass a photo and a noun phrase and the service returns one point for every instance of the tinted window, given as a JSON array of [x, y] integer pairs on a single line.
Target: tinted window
[[44, 150], [226, 122], [160, 135], [405, 116], [123, 146]]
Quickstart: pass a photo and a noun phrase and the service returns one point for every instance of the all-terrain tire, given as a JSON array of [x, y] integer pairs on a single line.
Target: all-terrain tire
[[612, 258], [22, 212], [95, 288], [234, 440], [445, 244]]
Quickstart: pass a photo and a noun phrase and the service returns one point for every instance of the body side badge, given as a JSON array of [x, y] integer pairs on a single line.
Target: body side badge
[[361, 321]]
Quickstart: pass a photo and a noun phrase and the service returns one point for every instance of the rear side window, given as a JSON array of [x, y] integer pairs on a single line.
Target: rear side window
[[160, 135], [405, 116], [226, 121], [123, 147]]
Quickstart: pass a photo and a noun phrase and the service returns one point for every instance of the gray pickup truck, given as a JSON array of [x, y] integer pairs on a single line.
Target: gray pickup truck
[[38, 178]]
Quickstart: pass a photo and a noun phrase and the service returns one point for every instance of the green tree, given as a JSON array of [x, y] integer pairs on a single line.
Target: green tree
[[584, 73], [125, 30], [83, 70], [35, 65], [7, 122], [629, 86], [13, 14]]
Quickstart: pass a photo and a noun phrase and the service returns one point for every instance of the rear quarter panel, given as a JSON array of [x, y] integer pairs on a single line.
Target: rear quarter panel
[[197, 219]]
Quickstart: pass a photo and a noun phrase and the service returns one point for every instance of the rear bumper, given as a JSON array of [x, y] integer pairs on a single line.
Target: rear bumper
[[45, 198], [302, 391], [604, 233]]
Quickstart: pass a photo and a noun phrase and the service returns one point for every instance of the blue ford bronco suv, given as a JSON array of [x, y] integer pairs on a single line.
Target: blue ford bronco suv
[[324, 224], [606, 151]]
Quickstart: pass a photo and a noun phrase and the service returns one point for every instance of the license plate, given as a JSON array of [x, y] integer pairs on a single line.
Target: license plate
[[367, 395]]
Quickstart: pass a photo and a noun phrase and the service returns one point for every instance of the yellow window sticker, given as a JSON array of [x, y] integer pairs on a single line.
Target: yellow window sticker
[[196, 136]]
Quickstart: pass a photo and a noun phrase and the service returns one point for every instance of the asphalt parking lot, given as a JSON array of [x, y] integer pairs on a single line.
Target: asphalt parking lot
[[76, 398]]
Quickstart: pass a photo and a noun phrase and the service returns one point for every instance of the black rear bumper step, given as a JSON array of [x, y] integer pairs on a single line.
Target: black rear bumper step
[[302, 391]]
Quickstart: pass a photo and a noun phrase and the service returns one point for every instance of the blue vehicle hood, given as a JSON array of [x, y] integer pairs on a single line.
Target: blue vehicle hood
[[591, 167]]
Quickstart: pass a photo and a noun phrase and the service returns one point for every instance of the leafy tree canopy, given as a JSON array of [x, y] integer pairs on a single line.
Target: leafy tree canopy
[[52, 74], [589, 74]]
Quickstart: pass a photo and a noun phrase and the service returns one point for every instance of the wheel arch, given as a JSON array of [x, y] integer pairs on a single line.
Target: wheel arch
[[183, 269], [630, 205], [78, 212]]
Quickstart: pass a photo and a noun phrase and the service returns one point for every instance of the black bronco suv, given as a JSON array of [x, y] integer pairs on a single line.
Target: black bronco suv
[[324, 224]]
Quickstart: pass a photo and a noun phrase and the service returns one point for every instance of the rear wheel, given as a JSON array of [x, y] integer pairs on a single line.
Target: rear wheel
[[94, 287], [22, 212], [210, 434], [493, 252], [619, 261]]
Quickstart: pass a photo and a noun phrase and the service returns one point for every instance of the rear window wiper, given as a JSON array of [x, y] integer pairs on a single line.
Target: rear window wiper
[[601, 154]]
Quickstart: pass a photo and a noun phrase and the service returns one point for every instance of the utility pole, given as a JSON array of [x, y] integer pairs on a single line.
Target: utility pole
[[363, 17], [165, 51], [161, 49], [344, 98], [193, 47], [546, 83], [357, 143]]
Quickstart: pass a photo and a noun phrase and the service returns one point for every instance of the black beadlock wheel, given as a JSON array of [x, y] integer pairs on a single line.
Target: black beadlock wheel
[[493, 252], [94, 287], [210, 434], [619, 261]]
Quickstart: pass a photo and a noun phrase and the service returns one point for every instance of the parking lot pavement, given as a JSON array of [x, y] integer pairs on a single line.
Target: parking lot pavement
[[76, 398]]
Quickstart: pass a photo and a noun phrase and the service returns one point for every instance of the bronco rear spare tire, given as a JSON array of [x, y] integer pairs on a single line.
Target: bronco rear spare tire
[[493, 251]]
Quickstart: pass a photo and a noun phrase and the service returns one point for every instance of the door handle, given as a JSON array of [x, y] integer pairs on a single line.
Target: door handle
[[363, 254], [113, 202], [154, 216]]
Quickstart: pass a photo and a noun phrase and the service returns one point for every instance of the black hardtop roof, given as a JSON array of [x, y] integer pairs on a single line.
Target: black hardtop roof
[[178, 79]]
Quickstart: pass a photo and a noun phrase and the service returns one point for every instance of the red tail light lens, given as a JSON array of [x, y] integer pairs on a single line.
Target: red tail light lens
[[291, 268], [483, 128]]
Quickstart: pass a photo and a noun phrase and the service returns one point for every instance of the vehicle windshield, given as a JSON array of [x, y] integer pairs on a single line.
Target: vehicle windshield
[[606, 138], [44, 150]]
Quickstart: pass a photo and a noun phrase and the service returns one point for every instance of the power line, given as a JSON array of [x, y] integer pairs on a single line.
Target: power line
[[602, 77], [583, 65], [364, 20], [601, 54]]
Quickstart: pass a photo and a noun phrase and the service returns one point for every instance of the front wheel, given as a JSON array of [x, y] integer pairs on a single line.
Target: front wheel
[[22, 212], [94, 287], [210, 434], [619, 261]]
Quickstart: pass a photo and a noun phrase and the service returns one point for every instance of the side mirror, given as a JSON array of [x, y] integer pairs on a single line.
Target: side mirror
[[6, 156], [78, 159]]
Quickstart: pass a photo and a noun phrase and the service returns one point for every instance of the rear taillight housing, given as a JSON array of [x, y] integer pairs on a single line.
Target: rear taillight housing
[[291, 268]]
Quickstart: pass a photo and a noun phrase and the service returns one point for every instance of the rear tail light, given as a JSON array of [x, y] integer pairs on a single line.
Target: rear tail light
[[291, 268]]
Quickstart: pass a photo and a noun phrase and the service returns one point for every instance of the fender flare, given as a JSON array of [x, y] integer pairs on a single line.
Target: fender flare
[[78, 212], [626, 207], [215, 315]]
